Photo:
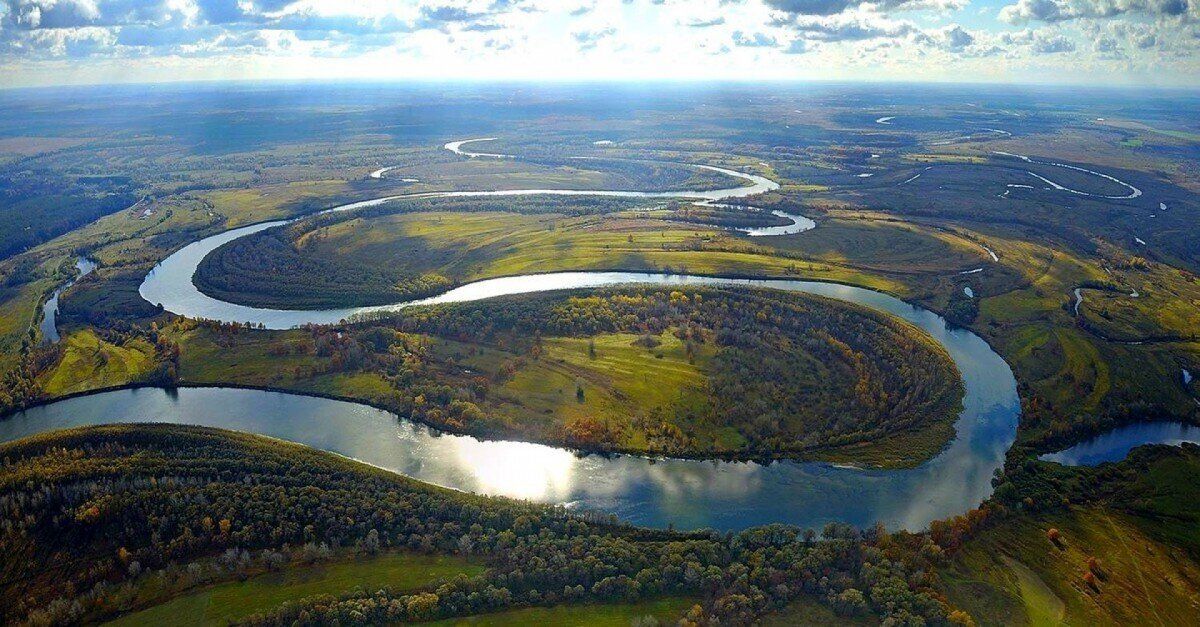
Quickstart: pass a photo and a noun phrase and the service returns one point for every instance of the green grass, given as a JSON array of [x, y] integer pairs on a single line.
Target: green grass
[[88, 362], [622, 382], [667, 611], [647, 377], [18, 308], [232, 601], [205, 359], [1042, 606], [476, 245], [886, 246], [1012, 574], [808, 612]]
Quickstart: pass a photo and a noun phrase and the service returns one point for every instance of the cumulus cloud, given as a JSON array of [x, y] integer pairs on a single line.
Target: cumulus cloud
[[1039, 41], [753, 40], [848, 28], [834, 7], [1025, 11], [957, 38], [796, 46], [588, 39]]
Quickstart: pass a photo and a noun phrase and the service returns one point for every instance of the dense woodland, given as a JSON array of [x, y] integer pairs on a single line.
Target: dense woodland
[[93, 515], [33, 209]]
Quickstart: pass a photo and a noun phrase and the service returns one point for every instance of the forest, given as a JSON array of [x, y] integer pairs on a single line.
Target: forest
[[95, 519], [34, 209]]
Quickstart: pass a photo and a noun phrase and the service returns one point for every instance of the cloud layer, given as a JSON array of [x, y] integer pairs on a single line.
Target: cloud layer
[[939, 39]]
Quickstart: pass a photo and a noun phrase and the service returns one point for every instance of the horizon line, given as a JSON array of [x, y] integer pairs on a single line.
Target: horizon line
[[600, 81]]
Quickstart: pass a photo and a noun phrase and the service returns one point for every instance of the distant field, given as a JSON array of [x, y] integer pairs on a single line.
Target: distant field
[[380, 260], [884, 247], [664, 611], [232, 601]]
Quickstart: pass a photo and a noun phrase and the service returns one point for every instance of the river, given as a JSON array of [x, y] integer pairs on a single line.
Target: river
[[655, 492], [1116, 444], [684, 493], [49, 324]]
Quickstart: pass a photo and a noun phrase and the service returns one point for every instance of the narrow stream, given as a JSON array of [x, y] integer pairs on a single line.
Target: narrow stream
[[49, 324]]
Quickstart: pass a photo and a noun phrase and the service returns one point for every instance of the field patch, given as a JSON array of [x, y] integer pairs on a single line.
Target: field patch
[[232, 601], [89, 362]]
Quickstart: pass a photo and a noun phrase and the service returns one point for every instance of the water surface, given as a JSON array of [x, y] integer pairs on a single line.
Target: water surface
[[685, 493], [654, 492], [1116, 444], [49, 324]]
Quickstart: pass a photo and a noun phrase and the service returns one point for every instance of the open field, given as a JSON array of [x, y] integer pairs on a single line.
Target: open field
[[1120, 548], [228, 602], [1016, 576], [89, 362], [378, 260], [664, 611]]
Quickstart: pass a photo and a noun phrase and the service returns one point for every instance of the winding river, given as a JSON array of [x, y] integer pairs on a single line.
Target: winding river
[[654, 492], [49, 324], [1133, 191]]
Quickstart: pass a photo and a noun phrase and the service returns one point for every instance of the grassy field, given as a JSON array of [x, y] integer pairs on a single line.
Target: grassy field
[[666, 611], [1146, 573], [89, 362], [207, 358], [1014, 575], [470, 246], [623, 381], [18, 310], [232, 601], [884, 246], [808, 612]]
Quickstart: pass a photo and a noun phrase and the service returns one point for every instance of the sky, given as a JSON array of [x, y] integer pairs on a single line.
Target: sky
[[1107, 42]]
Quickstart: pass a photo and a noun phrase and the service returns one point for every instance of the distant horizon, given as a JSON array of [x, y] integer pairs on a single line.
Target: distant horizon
[[600, 82]]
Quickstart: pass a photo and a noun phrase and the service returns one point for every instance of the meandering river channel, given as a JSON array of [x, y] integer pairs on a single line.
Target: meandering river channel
[[654, 492]]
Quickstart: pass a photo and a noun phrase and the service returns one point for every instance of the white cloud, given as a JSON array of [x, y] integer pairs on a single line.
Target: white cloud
[[603, 38], [1061, 10]]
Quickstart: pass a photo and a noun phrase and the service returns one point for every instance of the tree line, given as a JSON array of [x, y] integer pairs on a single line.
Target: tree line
[[92, 515]]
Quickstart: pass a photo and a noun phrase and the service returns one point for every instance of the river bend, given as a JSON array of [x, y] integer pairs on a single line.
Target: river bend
[[655, 492]]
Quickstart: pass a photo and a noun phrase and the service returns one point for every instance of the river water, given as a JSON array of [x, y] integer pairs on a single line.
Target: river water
[[49, 325], [656, 492], [685, 493], [1116, 444]]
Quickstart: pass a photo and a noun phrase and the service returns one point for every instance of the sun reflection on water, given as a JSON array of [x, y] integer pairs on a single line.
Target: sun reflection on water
[[517, 469]]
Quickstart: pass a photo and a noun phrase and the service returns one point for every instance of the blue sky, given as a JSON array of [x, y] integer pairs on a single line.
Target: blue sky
[[1120, 42]]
